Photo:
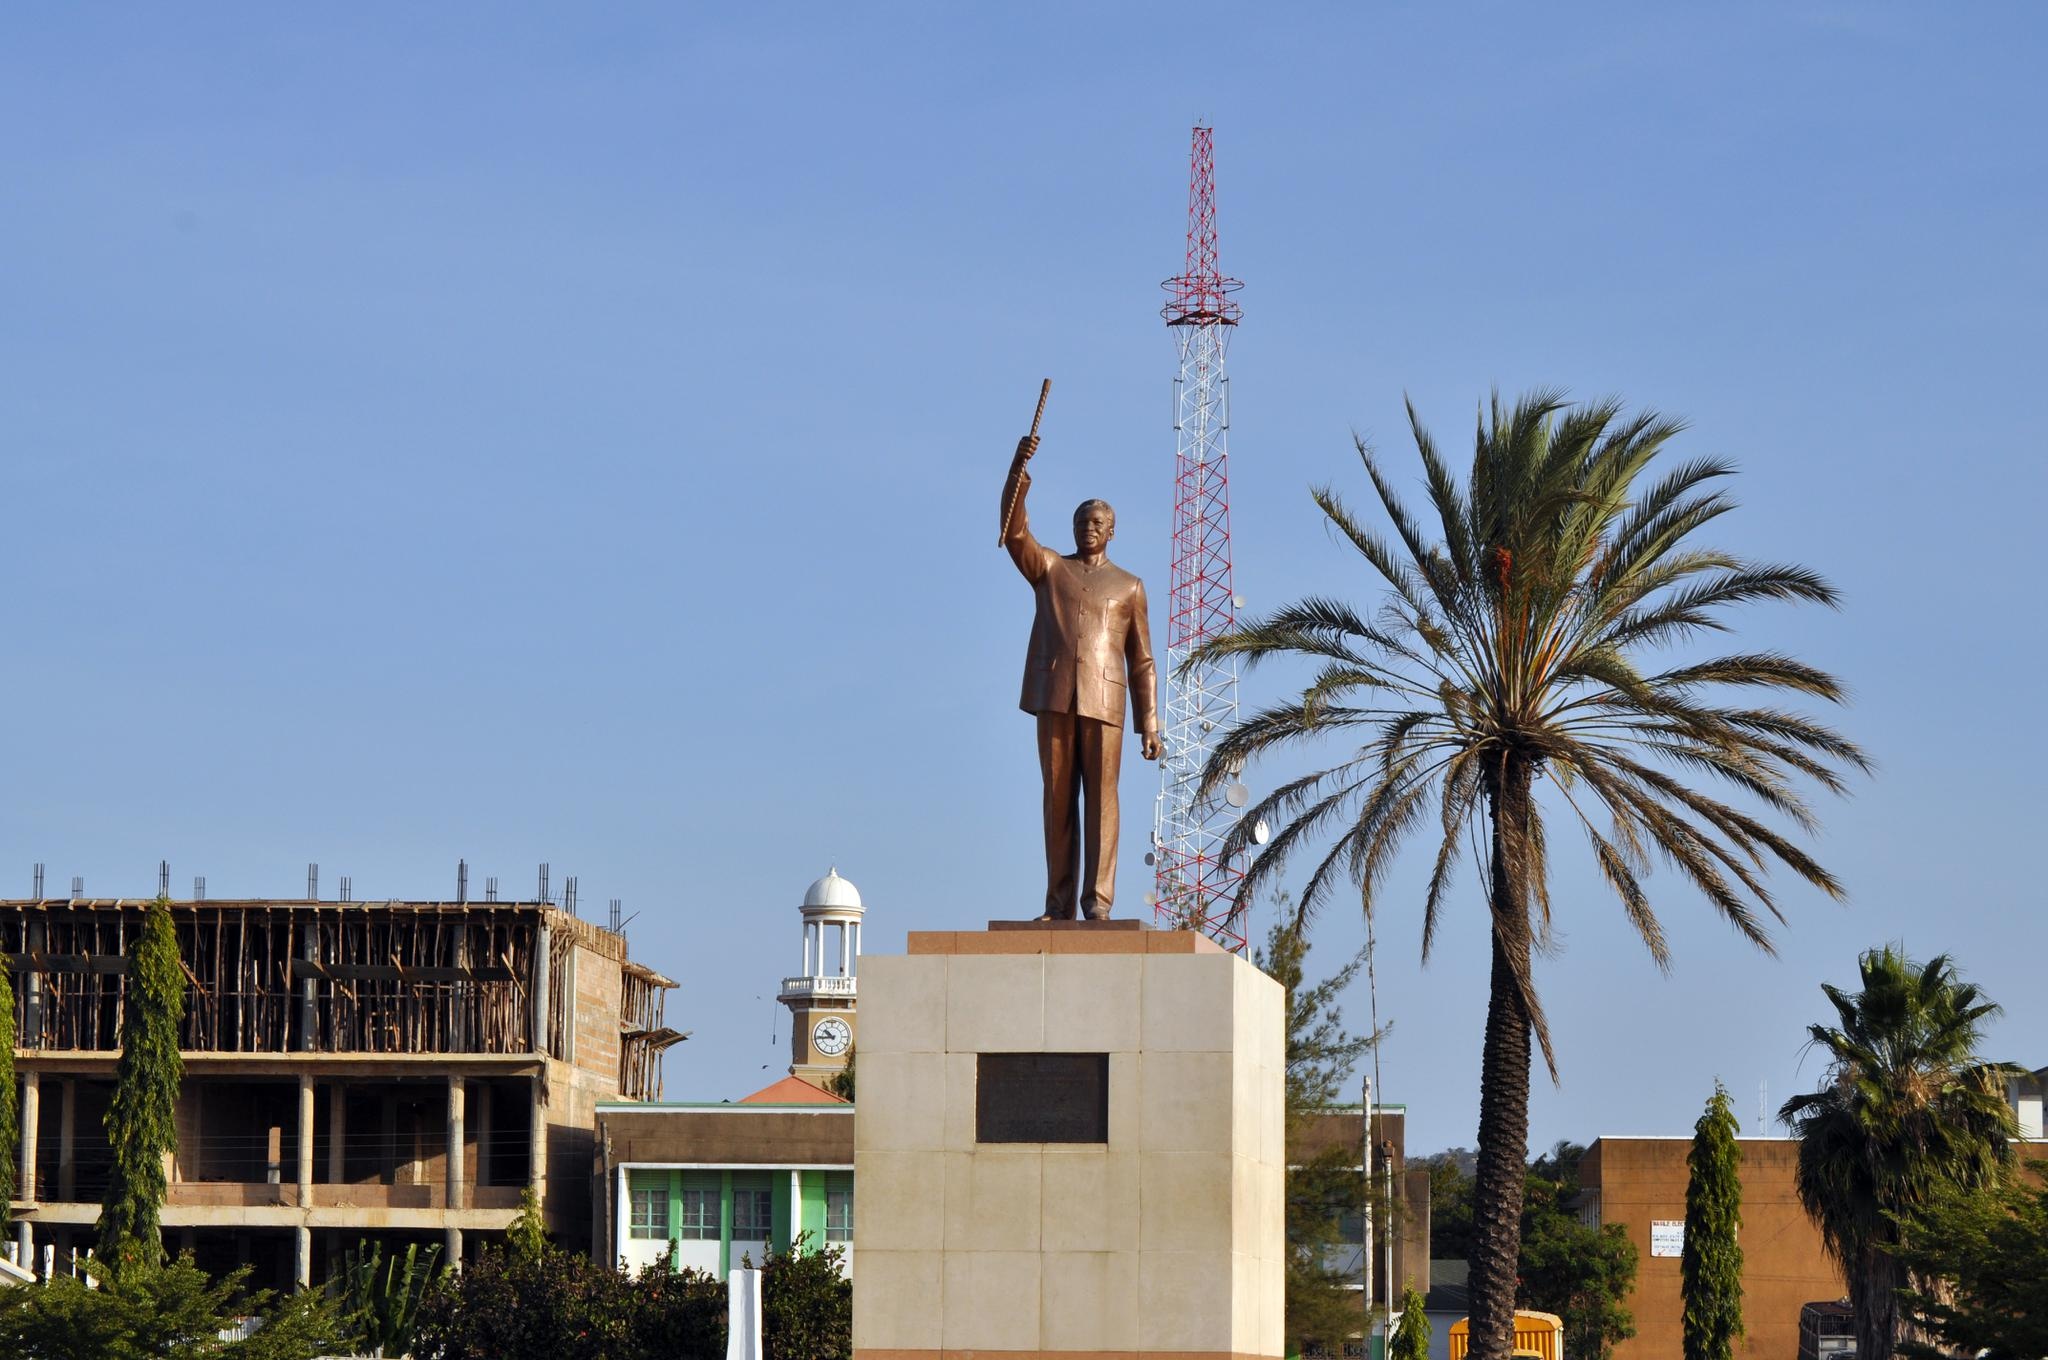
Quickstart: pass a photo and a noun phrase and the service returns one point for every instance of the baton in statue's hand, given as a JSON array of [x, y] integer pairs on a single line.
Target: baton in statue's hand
[[1044, 391]]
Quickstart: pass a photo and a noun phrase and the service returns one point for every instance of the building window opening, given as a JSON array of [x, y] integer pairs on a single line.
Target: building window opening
[[700, 1216], [753, 1215], [839, 1215], [650, 1212]]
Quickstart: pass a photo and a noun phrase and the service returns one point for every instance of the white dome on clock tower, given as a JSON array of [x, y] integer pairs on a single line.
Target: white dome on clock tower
[[821, 997]]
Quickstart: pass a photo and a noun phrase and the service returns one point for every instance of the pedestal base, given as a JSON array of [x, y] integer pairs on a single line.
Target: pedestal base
[[1163, 1238]]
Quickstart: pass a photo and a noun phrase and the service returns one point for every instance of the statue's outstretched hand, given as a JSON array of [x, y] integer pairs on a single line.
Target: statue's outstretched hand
[[1026, 446]]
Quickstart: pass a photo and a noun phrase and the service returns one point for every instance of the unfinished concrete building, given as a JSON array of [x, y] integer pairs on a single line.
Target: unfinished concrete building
[[391, 1070]]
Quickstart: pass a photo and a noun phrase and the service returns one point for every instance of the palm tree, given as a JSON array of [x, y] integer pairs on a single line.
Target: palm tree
[[1515, 649], [1904, 1113]]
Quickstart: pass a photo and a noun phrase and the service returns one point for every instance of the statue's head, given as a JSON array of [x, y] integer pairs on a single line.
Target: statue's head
[[1094, 526]]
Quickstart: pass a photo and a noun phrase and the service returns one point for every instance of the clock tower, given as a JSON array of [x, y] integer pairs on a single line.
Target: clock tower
[[821, 1000]]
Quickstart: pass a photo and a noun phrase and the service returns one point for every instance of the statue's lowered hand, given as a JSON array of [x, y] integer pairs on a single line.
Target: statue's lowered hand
[[1152, 747]]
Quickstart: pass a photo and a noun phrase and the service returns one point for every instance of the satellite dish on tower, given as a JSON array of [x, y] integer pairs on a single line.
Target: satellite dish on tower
[[1261, 833], [1236, 794]]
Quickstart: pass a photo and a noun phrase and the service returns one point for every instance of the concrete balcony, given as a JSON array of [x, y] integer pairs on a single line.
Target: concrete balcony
[[801, 988]]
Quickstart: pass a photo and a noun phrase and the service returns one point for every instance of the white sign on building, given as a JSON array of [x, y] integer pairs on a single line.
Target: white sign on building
[[1667, 1237]]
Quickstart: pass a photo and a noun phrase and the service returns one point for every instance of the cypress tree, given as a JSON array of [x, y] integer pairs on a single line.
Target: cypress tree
[[1711, 1266], [10, 1130], [140, 1122], [1411, 1339]]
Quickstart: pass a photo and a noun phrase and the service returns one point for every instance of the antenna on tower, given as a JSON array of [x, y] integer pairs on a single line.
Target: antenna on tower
[[1195, 881]]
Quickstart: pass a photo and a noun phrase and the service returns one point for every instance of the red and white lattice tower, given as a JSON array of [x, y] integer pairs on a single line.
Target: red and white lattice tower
[[1196, 882]]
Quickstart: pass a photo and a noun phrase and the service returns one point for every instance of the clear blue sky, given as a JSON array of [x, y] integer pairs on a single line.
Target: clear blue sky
[[562, 435]]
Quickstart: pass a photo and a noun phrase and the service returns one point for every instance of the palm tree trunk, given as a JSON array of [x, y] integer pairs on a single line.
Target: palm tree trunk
[[1503, 1091], [1874, 1303]]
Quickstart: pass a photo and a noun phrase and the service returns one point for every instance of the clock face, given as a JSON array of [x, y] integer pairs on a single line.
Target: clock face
[[833, 1036]]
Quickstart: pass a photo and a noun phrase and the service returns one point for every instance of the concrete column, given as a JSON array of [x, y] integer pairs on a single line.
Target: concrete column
[[455, 1133], [337, 1132], [25, 1160], [541, 942], [302, 1256], [537, 1156], [67, 1140], [36, 937], [622, 1217], [845, 949], [24, 1244], [451, 1249], [807, 949], [306, 1152], [309, 989]]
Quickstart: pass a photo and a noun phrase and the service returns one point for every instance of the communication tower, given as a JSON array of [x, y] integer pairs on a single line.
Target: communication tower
[[1196, 883]]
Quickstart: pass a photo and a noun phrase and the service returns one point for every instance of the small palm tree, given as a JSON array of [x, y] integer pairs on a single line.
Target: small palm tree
[[1905, 1112], [1514, 650]]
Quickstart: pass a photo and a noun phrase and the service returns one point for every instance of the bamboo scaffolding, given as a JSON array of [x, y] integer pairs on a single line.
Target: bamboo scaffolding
[[384, 977]]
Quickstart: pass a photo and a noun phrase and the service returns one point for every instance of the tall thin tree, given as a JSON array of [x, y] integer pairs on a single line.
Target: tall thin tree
[[141, 1127], [1710, 1267], [1512, 672], [10, 1128], [1906, 1113]]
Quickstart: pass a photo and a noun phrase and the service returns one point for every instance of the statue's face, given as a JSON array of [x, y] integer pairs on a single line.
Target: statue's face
[[1094, 526]]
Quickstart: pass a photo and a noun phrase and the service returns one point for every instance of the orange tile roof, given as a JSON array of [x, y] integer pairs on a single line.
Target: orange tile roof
[[791, 1091]]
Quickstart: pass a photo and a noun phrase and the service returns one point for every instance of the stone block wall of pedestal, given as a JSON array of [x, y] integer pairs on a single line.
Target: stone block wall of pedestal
[[1164, 1240]]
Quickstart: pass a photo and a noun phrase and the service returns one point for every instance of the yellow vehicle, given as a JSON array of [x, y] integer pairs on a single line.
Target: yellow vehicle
[[1540, 1335]]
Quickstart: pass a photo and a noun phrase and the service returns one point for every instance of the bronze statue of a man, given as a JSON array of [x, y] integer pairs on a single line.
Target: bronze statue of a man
[[1090, 642]]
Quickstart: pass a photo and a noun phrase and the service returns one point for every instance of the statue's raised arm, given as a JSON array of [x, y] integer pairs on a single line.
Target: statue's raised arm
[[1026, 551]]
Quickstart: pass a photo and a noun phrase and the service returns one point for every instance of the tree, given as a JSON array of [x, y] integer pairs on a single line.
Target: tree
[[1510, 676], [840, 1083], [806, 1304], [1324, 1186], [1710, 1269], [140, 1127], [527, 1238], [1411, 1338], [148, 1312], [10, 1120], [1905, 1113], [1450, 1207], [1582, 1274], [561, 1305], [1988, 1250], [380, 1296]]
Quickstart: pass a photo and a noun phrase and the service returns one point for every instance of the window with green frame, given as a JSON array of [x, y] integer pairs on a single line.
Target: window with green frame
[[649, 1209], [753, 1215]]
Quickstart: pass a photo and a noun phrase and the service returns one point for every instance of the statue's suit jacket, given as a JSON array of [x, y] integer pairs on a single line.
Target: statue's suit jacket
[[1090, 633]]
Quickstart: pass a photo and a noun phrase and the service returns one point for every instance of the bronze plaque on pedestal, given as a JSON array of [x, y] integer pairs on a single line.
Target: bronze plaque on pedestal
[[1041, 1098]]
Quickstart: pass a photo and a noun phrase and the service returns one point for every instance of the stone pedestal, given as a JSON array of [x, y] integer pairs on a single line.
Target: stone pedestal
[[1164, 1238]]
